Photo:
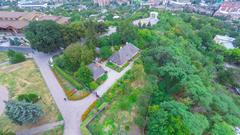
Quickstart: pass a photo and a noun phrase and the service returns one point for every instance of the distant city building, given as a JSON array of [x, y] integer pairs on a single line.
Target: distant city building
[[230, 9], [180, 2], [107, 2], [16, 21], [102, 2], [33, 5], [225, 41], [152, 20]]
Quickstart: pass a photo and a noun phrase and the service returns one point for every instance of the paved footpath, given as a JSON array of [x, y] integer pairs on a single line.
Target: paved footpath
[[40, 129], [72, 110]]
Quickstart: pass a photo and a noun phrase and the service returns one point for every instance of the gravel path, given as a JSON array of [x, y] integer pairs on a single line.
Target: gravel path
[[3, 97]]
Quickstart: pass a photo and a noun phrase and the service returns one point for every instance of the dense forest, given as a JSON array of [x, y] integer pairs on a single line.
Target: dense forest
[[187, 91]]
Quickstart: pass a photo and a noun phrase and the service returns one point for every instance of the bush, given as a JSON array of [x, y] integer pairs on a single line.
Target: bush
[[102, 79], [30, 98], [93, 85], [15, 57], [85, 114], [15, 42]]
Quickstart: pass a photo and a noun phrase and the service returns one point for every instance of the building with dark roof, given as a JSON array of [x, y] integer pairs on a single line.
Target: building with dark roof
[[124, 55], [97, 70]]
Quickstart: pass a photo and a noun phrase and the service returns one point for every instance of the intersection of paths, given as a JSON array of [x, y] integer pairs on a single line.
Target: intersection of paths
[[72, 110]]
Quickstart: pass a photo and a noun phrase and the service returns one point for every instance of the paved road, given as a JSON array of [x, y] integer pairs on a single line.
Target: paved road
[[16, 48], [72, 110], [40, 129]]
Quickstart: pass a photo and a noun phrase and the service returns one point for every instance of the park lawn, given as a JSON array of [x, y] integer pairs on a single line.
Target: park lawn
[[25, 78], [3, 57], [119, 116]]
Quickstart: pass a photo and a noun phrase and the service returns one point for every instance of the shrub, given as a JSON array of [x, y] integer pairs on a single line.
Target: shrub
[[85, 114], [84, 75], [15, 42], [30, 98], [102, 79], [16, 57], [93, 85]]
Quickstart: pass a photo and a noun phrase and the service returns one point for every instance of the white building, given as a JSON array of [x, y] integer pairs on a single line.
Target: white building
[[225, 41], [152, 20], [33, 5]]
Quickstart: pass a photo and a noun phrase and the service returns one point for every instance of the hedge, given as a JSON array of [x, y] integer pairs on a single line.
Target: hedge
[[68, 78], [68, 93]]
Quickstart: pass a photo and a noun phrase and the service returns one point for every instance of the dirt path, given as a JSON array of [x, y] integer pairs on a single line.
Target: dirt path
[[3, 97]]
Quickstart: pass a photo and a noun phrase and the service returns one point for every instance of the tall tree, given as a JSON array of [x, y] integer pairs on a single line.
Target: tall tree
[[84, 75], [44, 36]]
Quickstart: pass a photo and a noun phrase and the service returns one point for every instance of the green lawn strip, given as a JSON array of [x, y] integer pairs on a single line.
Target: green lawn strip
[[115, 67], [63, 78], [68, 77]]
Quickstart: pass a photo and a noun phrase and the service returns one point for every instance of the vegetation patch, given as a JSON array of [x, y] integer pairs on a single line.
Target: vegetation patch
[[24, 79], [69, 87], [119, 116], [115, 67]]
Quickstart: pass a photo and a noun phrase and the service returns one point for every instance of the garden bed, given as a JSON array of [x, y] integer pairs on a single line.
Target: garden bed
[[120, 113], [25, 78], [115, 67]]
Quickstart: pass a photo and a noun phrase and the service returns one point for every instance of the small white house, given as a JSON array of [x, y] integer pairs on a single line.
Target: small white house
[[152, 20], [225, 41]]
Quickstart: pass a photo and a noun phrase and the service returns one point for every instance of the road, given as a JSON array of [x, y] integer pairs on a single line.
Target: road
[[72, 110], [16, 48]]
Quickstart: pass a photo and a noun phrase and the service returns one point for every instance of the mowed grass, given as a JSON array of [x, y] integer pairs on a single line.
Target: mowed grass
[[25, 78], [3, 57]]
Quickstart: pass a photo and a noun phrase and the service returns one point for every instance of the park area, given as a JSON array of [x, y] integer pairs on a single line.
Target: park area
[[120, 103], [25, 78]]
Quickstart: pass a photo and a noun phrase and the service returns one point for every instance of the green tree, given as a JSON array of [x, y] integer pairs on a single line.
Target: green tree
[[105, 52], [23, 112], [75, 54], [16, 57], [127, 31], [236, 42], [84, 75], [44, 36], [222, 129]]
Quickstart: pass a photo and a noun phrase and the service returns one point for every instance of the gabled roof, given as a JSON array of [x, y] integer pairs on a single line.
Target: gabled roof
[[126, 53], [97, 70]]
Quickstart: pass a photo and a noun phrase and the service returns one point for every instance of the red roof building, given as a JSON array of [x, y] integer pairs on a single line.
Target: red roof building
[[228, 8]]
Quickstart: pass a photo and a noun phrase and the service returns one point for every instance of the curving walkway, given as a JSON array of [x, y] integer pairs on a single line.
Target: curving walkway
[[72, 110]]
